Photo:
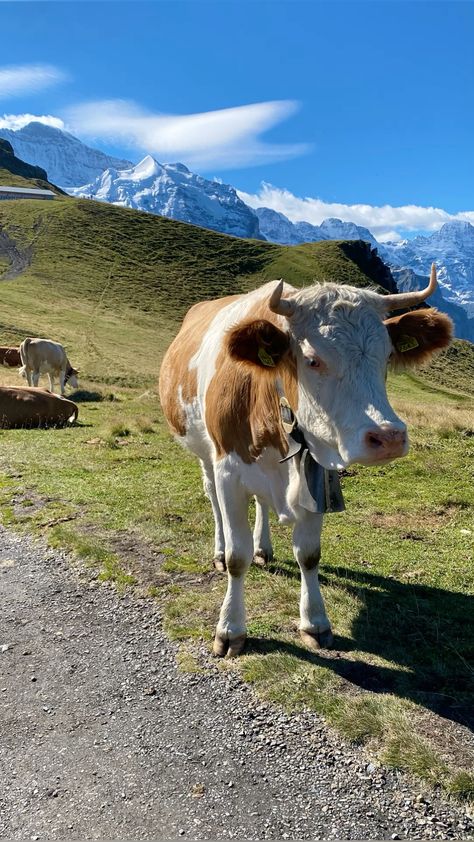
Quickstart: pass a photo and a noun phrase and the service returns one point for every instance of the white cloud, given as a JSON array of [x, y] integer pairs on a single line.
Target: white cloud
[[228, 138], [18, 79], [385, 221], [18, 121]]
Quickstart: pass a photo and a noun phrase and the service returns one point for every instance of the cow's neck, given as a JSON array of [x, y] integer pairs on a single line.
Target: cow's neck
[[319, 488]]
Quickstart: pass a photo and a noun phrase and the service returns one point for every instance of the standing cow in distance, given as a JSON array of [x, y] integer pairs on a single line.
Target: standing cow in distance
[[43, 356], [10, 357], [276, 390]]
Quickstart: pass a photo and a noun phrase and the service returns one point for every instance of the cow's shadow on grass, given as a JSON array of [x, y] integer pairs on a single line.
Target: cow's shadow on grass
[[426, 634]]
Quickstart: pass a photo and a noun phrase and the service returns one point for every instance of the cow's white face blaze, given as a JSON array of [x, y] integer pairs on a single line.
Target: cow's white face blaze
[[342, 349]]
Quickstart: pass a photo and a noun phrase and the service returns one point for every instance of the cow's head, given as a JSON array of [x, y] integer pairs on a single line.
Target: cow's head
[[342, 343], [71, 377]]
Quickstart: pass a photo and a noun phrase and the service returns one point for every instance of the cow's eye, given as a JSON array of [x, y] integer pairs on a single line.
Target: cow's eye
[[314, 362]]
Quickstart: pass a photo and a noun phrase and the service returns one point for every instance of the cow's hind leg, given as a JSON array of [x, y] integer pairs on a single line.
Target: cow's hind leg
[[315, 628], [262, 542], [51, 382], [209, 484], [35, 378], [231, 628]]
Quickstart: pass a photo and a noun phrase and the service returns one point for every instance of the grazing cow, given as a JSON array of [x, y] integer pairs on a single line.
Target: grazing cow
[[275, 391], [43, 356], [34, 408], [10, 357]]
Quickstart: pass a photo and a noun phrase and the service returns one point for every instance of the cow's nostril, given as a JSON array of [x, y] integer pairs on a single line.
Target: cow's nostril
[[374, 441], [385, 439]]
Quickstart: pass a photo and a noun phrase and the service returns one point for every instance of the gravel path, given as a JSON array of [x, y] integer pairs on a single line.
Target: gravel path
[[101, 737]]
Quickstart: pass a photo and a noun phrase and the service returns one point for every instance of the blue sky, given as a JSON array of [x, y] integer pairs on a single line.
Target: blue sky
[[358, 104]]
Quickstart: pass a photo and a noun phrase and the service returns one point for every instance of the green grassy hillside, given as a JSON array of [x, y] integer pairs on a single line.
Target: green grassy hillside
[[91, 265], [108, 262], [397, 566], [89, 249], [10, 179]]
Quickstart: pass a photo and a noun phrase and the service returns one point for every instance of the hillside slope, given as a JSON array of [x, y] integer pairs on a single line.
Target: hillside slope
[[89, 270], [93, 250]]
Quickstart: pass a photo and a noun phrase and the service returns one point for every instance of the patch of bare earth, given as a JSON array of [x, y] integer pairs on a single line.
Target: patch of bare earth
[[432, 519], [19, 259]]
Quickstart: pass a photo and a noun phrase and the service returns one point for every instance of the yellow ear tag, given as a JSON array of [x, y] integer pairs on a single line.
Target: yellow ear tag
[[265, 358], [407, 343]]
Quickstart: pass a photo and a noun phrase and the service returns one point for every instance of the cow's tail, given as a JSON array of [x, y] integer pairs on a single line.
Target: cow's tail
[[73, 417], [23, 355]]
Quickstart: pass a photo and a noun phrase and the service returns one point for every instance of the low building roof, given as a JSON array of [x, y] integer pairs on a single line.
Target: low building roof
[[35, 191]]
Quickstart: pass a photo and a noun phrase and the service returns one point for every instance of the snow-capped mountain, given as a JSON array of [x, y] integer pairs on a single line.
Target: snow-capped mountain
[[172, 190], [277, 228], [407, 280], [67, 160], [452, 249]]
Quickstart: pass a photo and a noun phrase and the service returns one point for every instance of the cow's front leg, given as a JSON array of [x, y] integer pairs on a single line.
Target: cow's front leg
[[233, 501], [262, 542], [315, 628]]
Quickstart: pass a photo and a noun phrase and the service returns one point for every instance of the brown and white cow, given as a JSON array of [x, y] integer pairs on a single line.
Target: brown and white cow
[[225, 384], [10, 357], [43, 356], [34, 408]]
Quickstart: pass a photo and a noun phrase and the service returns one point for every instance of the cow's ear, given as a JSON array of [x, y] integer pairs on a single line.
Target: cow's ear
[[417, 335], [258, 342]]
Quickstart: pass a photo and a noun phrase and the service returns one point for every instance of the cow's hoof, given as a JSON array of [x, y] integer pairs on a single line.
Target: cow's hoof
[[219, 562], [220, 646], [236, 646], [262, 557], [318, 640], [224, 648]]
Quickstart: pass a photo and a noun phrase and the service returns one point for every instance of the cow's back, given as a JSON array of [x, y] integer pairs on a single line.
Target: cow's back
[[43, 354], [30, 407]]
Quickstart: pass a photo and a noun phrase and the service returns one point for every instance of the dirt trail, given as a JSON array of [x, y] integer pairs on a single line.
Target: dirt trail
[[101, 736], [19, 260]]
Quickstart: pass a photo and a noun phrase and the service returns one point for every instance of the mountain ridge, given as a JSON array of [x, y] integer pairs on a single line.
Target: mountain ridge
[[64, 157], [172, 190]]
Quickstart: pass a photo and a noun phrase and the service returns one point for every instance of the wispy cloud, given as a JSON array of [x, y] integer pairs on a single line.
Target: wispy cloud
[[17, 80], [18, 121], [385, 221], [228, 138]]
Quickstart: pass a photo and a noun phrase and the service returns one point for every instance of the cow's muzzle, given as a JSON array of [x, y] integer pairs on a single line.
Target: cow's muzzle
[[384, 443]]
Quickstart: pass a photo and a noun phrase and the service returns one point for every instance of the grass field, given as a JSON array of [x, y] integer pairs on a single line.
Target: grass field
[[396, 567]]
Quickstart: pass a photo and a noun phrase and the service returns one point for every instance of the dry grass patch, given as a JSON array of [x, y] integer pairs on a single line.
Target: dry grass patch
[[445, 418]]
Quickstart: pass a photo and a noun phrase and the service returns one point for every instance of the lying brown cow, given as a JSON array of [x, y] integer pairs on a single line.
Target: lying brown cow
[[10, 357], [34, 408]]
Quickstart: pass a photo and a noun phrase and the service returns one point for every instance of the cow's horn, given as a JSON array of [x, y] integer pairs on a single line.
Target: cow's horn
[[282, 306], [400, 300]]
